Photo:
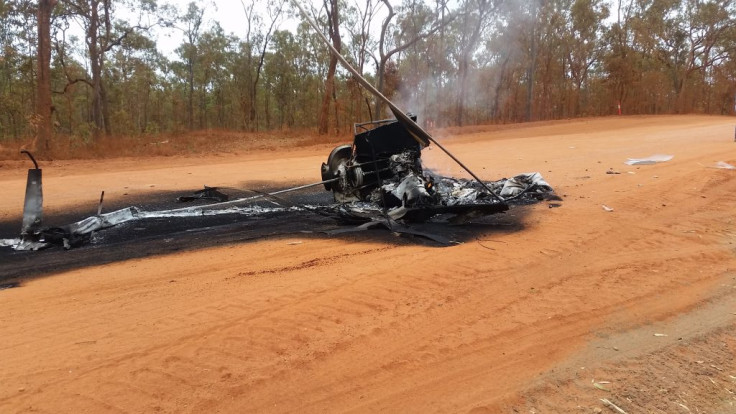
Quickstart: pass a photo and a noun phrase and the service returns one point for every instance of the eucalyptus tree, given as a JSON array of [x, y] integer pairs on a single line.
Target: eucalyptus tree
[[281, 72], [43, 87], [18, 43], [620, 59], [664, 37], [190, 24], [214, 65], [715, 29], [332, 8], [583, 47], [313, 65], [104, 31], [259, 29], [711, 39], [474, 18], [360, 16], [415, 22], [132, 75], [274, 12]]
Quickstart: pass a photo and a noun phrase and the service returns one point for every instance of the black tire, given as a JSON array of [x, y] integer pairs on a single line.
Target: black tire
[[337, 157]]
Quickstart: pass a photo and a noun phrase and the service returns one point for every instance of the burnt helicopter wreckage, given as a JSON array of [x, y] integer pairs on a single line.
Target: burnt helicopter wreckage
[[381, 174], [383, 168], [379, 180]]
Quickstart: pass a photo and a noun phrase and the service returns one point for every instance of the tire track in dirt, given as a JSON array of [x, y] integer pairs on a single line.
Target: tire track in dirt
[[349, 325], [682, 279], [209, 312], [356, 309]]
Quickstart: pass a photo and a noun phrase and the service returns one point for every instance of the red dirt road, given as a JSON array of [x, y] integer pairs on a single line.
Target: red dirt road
[[550, 318]]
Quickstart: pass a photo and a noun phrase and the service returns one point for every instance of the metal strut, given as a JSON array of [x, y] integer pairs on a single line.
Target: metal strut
[[35, 164], [251, 198]]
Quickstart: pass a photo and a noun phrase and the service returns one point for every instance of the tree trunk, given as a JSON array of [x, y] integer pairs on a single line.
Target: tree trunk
[[43, 101], [532, 69], [324, 113], [94, 58], [259, 68], [105, 107], [378, 110], [462, 90], [190, 97], [330, 89]]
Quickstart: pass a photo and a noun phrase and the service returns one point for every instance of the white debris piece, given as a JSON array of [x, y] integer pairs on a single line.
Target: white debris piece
[[21, 244], [724, 165], [515, 185], [9, 242], [653, 159]]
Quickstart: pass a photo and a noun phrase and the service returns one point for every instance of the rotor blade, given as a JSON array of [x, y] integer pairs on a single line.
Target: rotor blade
[[417, 132]]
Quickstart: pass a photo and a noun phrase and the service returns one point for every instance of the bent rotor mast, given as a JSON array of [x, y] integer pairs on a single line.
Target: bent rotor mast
[[417, 132]]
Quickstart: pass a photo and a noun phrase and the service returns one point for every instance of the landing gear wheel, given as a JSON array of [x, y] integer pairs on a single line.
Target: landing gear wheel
[[330, 170]]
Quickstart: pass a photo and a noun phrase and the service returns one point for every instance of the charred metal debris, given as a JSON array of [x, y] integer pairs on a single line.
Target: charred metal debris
[[378, 181], [381, 175]]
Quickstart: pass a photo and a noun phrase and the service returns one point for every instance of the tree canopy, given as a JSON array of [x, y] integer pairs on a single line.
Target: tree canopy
[[453, 63]]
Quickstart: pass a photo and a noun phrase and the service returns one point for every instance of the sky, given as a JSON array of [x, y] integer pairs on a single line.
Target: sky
[[228, 13]]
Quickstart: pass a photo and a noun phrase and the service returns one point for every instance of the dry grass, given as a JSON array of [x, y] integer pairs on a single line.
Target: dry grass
[[210, 141], [187, 143]]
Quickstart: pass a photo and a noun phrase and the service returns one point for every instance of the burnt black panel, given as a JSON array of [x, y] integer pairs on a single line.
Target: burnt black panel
[[386, 140]]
